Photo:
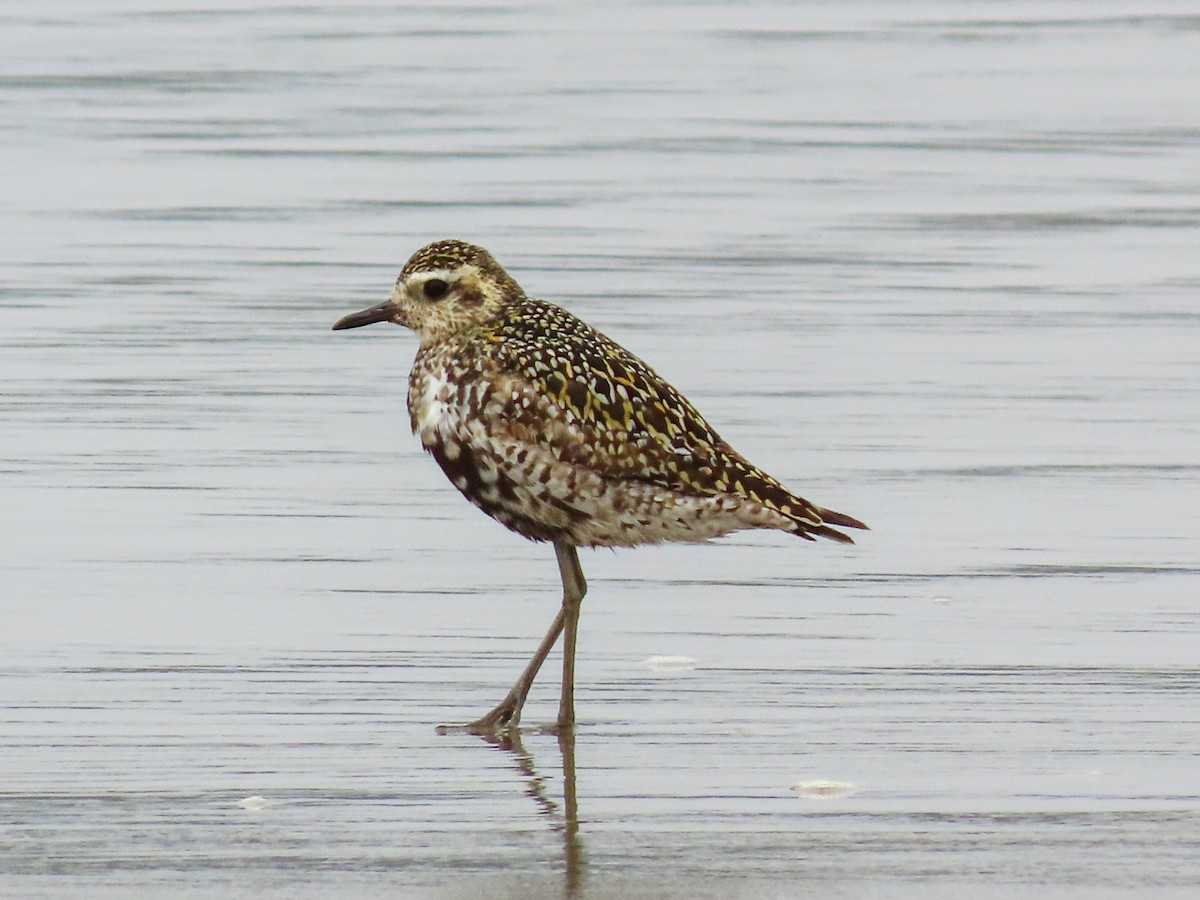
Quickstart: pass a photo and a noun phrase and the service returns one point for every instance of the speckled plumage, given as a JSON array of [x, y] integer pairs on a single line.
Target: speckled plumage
[[561, 434]]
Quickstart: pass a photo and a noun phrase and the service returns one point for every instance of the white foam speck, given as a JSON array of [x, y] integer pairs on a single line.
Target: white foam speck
[[941, 599], [822, 789], [671, 663]]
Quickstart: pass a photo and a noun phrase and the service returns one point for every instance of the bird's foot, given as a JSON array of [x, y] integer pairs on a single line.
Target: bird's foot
[[504, 717]]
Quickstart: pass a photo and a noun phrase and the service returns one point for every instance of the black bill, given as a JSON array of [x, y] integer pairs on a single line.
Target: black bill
[[381, 313]]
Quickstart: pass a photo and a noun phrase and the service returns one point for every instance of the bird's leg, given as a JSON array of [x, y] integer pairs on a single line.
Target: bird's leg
[[507, 713], [574, 587]]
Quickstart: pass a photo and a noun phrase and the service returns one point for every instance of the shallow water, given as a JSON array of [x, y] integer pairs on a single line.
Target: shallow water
[[932, 264]]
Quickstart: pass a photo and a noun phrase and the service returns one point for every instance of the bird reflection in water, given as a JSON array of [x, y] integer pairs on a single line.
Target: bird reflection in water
[[564, 818]]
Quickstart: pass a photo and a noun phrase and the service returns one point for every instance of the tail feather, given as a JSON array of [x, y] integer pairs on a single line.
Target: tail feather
[[811, 521], [826, 532], [828, 517]]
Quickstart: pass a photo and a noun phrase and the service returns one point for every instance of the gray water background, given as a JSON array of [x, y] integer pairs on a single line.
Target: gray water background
[[933, 264]]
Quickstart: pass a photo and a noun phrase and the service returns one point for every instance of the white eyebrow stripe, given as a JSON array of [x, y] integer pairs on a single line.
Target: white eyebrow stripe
[[441, 274]]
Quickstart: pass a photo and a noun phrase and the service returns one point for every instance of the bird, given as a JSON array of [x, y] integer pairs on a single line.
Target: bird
[[563, 436]]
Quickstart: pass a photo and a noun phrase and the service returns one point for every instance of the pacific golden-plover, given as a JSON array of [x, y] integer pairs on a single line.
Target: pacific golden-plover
[[562, 435]]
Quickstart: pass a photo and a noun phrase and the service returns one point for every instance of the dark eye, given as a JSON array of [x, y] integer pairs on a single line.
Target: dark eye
[[436, 289]]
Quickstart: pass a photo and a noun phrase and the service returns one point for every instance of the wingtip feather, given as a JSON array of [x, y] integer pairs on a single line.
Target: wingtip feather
[[829, 517]]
